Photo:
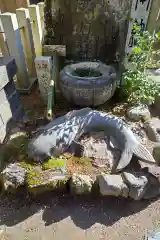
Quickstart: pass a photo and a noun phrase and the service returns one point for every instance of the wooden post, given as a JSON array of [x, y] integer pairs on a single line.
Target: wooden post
[[3, 44], [36, 28], [41, 11], [15, 47], [43, 68], [27, 40]]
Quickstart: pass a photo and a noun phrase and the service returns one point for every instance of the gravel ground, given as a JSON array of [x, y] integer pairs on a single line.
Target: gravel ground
[[53, 217]]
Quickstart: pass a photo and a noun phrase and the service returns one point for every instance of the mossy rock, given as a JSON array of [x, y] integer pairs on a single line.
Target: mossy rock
[[54, 164], [26, 165], [19, 142], [52, 186], [16, 146], [39, 181]]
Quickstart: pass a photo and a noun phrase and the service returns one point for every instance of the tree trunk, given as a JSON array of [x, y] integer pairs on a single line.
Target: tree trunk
[[90, 29]]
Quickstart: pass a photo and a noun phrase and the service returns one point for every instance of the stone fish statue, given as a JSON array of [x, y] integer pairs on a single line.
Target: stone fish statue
[[56, 137]]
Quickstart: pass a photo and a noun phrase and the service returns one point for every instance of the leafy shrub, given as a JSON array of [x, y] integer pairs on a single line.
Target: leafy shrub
[[137, 88]]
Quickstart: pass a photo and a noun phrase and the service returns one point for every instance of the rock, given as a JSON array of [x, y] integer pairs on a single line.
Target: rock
[[142, 165], [18, 140], [137, 129], [156, 153], [153, 175], [153, 191], [139, 112], [58, 164], [137, 183], [153, 188], [81, 184], [152, 236], [155, 171], [153, 129], [16, 134], [112, 185], [39, 182], [15, 130], [102, 149], [13, 176]]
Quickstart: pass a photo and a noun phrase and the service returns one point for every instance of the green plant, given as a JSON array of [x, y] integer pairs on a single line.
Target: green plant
[[137, 88]]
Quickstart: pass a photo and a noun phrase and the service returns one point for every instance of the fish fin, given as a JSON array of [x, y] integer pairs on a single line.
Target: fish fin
[[113, 143], [77, 148], [125, 158], [144, 155], [139, 150], [77, 113]]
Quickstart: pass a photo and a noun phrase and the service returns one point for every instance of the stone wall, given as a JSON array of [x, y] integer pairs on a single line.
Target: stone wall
[[154, 16], [10, 106], [90, 29], [154, 23]]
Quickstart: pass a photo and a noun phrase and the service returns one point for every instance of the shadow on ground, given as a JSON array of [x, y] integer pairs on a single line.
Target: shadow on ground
[[84, 212]]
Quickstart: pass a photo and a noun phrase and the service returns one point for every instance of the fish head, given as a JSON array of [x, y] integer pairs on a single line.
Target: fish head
[[36, 152], [39, 147]]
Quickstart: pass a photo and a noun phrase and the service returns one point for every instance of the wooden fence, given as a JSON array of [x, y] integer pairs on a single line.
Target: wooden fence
[[21, 37], [12, 5]]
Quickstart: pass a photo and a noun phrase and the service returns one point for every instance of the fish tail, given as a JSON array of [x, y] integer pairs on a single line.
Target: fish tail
[[125, 159], [139, 150], [144, 155]]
